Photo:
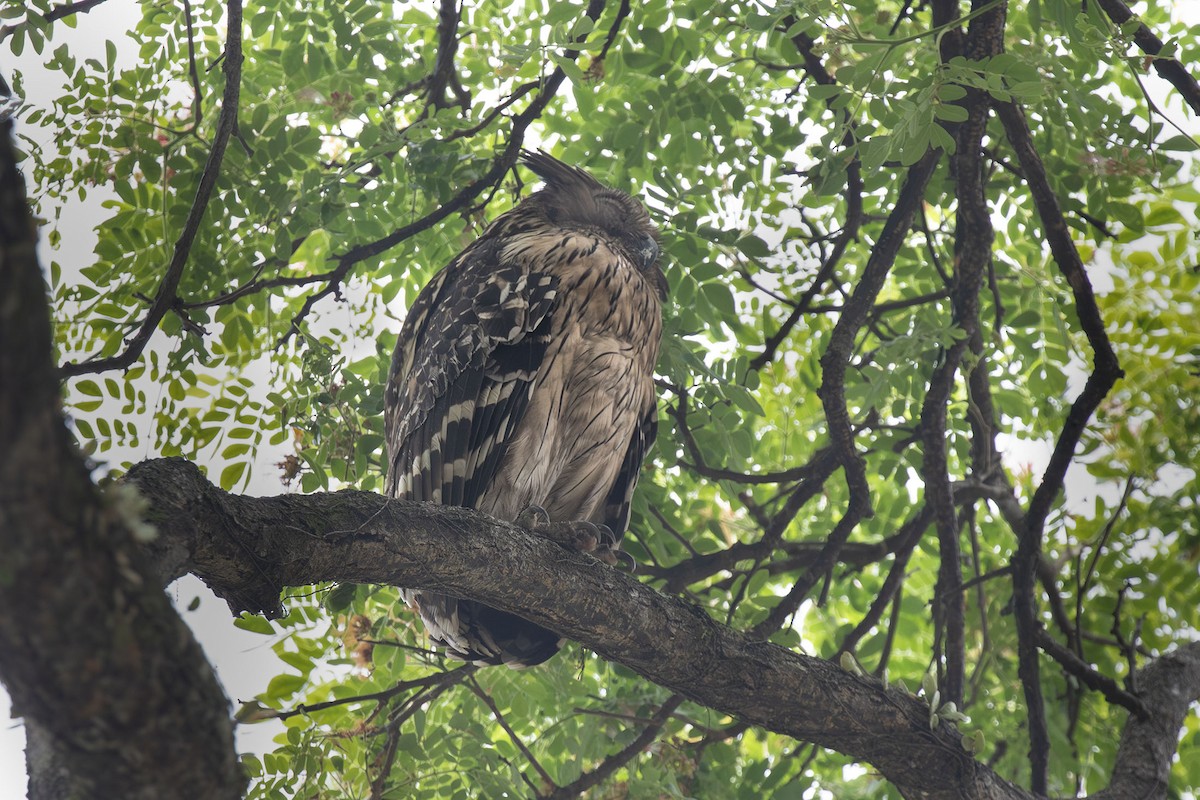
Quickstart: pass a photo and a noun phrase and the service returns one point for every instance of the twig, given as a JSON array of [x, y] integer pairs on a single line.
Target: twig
[[817, 72], [669, 528], [500, 165], [436, 679], [620, 758], [1127, 647], [474, 686], [197, 94], [702, 566], [698, 465], [1107, 532], [909, 534]]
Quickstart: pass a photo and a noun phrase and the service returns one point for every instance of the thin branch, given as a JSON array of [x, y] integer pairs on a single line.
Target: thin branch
[[394, 728], [699, 567], [669, 528], [1074, 665], [1127, 647], [832, 391], [836, 358], [1104, 536], [435, 679], [474, 686], [193, 72], [614, 29], [495, 112], [817, 72], [1106, 371], [1168, 68], [888, 305], [698, 465], [165, 298], [909, 534], [611, 764], [54, 14]]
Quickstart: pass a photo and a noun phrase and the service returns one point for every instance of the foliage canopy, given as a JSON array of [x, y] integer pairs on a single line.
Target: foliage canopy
[[858, 245]]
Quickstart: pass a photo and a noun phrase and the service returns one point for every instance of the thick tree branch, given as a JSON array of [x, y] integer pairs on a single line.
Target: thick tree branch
[[247, 548], [91, 651], [1168, 687]]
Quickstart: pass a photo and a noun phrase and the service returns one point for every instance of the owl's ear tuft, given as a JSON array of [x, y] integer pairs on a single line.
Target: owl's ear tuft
[[556, 174]]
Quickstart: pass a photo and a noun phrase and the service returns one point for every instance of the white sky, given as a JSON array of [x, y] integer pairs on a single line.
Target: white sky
[[243, 660]]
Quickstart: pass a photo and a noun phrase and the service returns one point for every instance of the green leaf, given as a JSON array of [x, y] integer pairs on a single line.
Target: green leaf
[[284, 686], [232, 474], [254, 624], [88, 387], [1180, 143]]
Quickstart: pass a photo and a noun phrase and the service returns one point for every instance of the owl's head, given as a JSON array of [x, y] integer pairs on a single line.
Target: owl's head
[[573, 198]]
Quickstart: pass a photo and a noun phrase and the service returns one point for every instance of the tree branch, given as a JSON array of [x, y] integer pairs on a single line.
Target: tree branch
[[503, 162], [91, 651], [247, 548], [54, 14], [474, 686], [1169, 685], [817, 72], [444, 77], [1076, 666], [166, 297], [1106, 371], [1168, 68], [620, 758], [972, 253]]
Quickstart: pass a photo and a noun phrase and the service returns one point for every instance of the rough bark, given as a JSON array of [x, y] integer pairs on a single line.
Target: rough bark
[[118, 697]]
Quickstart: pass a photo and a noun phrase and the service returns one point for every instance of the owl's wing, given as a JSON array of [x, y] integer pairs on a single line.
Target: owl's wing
[[468, 352]]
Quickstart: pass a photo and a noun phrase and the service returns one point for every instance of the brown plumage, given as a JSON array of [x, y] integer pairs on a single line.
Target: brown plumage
[[524, 376]]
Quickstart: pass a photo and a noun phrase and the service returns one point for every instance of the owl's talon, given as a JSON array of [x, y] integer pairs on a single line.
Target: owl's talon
[[581, 535], [533, 518], [625, 562]]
